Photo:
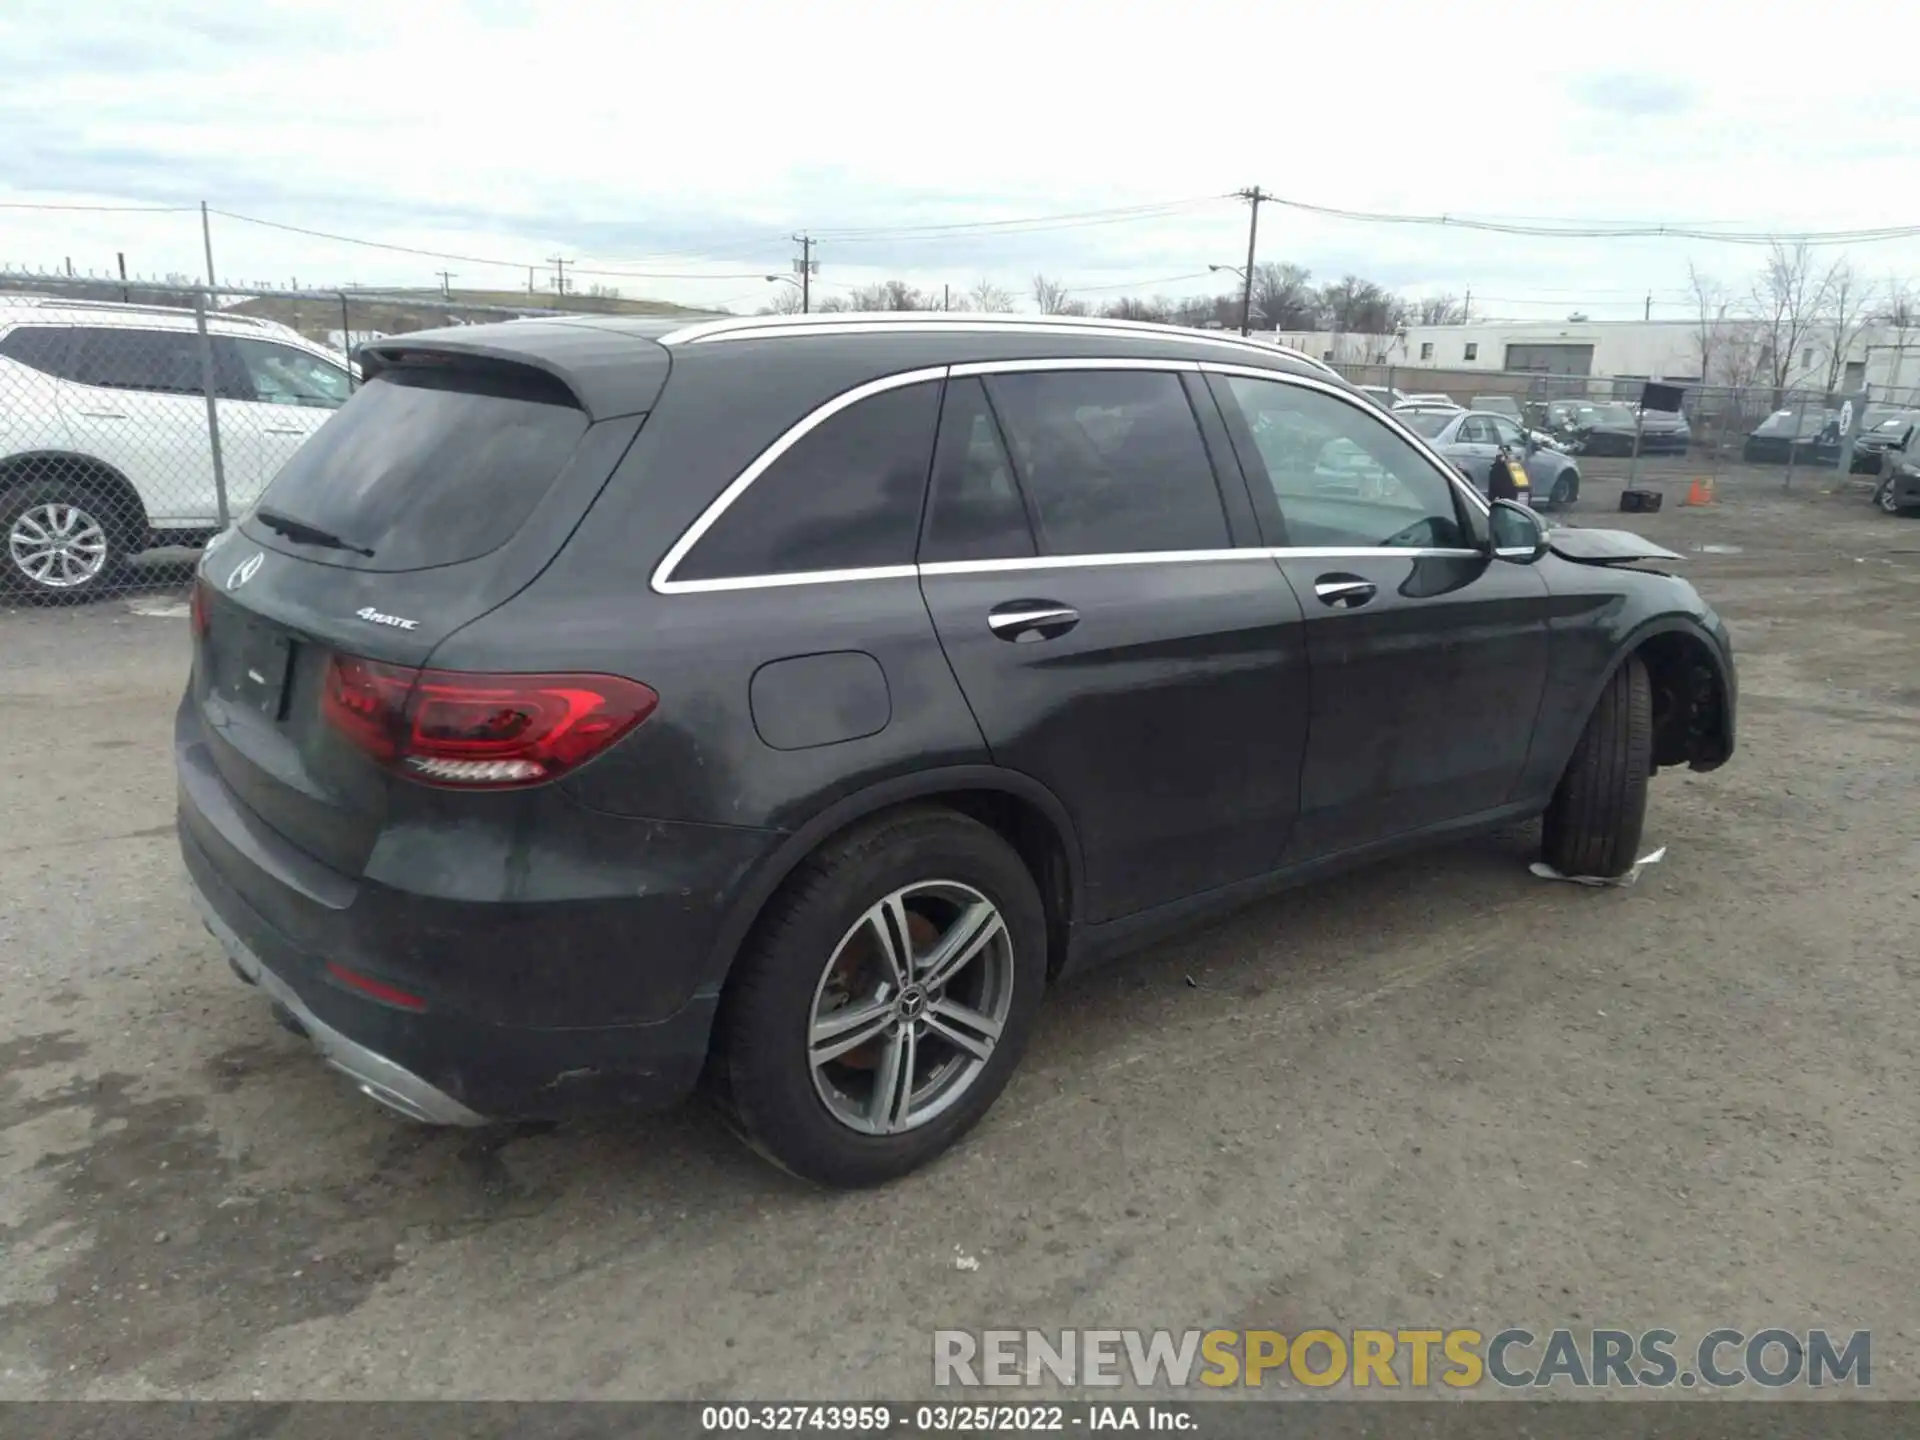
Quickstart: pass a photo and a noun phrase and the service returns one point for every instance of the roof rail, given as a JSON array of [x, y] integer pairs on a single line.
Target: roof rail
[[851, 322], [62, 302]]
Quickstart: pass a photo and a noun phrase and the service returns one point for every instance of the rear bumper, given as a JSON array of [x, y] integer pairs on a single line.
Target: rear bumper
[[598, 993]]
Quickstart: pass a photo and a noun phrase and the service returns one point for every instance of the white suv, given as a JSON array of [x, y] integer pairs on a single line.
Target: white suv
[[105, 447]]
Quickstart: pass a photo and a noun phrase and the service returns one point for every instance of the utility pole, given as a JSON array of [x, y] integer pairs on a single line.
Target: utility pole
[[446, 283], [806, 265], [1253, 198], [206, 239], [559, 275], [1466, 307], [1647, 314], [125, 294], [946, 297], [529, 282]]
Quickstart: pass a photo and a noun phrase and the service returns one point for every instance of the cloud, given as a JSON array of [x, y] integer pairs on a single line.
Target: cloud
[[1632, 95]]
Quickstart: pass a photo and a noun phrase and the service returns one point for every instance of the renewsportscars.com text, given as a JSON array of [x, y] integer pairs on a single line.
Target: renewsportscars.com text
[[1455, 1359]]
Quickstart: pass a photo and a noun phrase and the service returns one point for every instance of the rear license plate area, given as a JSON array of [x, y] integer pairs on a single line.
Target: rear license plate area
[[254, 662]]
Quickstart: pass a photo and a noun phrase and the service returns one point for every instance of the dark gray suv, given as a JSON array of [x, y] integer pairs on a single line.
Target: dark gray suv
[[592, 710]]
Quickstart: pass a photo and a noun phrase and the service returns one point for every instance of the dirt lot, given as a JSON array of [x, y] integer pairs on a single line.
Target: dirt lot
[[1442, 1092]]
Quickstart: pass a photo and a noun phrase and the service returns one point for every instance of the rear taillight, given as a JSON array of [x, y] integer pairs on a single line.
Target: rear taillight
[[469, 731], [197, 608]]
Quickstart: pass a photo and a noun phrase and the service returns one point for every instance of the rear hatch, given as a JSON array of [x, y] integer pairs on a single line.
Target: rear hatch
[[444, 487]]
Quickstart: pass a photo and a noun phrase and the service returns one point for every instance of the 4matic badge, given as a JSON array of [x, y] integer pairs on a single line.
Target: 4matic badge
[[374, 617]]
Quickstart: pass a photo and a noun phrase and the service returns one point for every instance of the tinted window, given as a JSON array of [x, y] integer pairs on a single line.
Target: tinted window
[[44, 347], [1477, 430], [846, 496], [164, 361], [282, 375], [1112, 461], [1508, 434], [974, 511], [430, 467], [1340, 477]]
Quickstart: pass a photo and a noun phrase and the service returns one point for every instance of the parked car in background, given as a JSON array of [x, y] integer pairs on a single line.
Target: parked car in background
[[1615, 428], [1431, 397], [1385, 396], [1882, 432], [604, 707], [1898, 492], [1499, 405], [105, 449], [1473, 439], [1811, 435]]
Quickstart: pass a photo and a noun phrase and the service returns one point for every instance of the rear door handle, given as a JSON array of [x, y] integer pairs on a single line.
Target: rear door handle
[[1025, 621], [103, 414], [1346, 592], [286, 430]]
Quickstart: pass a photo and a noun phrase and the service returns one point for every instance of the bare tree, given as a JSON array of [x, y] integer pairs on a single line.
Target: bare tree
[[786, 301], [889, 295], [1711, 301], [1136, 307], [1361, 307], [1787, 300], [1050, 297], [1899, 311], [1849, 301], [1439, 310], [989, 297], [1283, 294]]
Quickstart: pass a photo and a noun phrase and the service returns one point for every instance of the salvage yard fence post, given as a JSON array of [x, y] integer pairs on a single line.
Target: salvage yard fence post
[[210, 387]]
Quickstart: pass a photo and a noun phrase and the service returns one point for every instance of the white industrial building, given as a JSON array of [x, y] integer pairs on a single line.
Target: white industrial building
[[1624, 349]]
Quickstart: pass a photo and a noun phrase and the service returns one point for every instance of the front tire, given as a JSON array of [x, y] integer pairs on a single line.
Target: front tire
[[884, 1000], [1599, 809], [1566, 489], [56, 544]]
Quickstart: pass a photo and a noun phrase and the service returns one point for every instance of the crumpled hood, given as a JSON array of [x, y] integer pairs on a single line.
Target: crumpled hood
[[1604, 547]]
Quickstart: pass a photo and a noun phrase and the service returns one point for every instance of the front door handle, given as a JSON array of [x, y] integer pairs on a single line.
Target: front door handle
[[286, 430], [1345, 592], [1025, 621], [103, 414]]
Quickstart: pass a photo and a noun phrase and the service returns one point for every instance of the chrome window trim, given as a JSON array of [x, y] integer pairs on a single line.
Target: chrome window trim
[[1090, 362], [663, 582], [1359, 403]]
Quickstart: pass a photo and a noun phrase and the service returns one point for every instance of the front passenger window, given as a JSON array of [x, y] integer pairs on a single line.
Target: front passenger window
[[1339, 476]]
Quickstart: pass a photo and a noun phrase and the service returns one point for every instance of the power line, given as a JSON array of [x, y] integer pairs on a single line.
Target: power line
[[1604, 230], [1066, 220], [101, 209]]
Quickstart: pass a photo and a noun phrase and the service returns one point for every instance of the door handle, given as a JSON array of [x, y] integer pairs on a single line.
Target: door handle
[[103, 414], [286, 430], [1025, 621], [1345, 592]]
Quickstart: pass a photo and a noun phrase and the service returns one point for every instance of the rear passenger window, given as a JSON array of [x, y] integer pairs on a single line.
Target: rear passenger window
[[975, 511], [167, 362], [846, 496], [43, 347], [1112, 461]]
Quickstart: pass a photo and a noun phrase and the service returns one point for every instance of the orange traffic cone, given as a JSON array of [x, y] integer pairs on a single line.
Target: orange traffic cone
[[1699, 493]]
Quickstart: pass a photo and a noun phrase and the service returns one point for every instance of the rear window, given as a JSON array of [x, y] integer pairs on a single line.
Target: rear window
[[1425, 423], [429, 467]]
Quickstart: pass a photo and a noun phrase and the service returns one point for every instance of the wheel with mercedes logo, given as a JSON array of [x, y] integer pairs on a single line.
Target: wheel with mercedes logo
[[884, 1000], [61, 544]]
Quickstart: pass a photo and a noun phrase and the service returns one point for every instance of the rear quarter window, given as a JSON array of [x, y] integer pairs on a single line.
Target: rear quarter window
[[431, 466], [847, 495], [39, 347]]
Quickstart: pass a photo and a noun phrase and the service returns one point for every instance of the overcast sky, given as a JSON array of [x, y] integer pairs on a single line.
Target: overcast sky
[[692, 139]]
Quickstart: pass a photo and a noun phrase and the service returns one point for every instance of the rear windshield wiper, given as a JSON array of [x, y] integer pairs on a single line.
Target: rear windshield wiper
[[301, 533]]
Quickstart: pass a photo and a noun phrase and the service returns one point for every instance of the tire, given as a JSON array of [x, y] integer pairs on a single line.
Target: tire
[[1594, 821], [1566, 489], [57, 543], [817, 954], [1884, 499]]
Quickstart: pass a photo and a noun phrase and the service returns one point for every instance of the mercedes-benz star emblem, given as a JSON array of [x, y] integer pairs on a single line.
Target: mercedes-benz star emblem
[[243, 572]]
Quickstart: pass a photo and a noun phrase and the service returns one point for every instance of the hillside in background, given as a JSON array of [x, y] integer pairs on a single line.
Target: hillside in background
[[389, 312]]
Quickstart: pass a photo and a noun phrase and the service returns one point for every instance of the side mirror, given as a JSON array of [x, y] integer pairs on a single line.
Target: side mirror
[[1515, 533]]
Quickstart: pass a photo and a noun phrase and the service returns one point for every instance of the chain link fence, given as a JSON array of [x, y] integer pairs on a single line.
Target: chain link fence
[[1747, 434], [137, 420]]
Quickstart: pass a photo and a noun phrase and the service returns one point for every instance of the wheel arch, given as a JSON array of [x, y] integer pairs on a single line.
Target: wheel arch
[[128, 514], [1693, 690], [1022, 811]]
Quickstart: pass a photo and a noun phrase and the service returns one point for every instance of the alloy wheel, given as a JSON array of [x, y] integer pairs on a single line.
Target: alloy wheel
[[57, 545], [910, 1006]]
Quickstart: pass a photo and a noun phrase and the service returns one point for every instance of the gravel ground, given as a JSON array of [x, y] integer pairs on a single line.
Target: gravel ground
[[1440, 1091]]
